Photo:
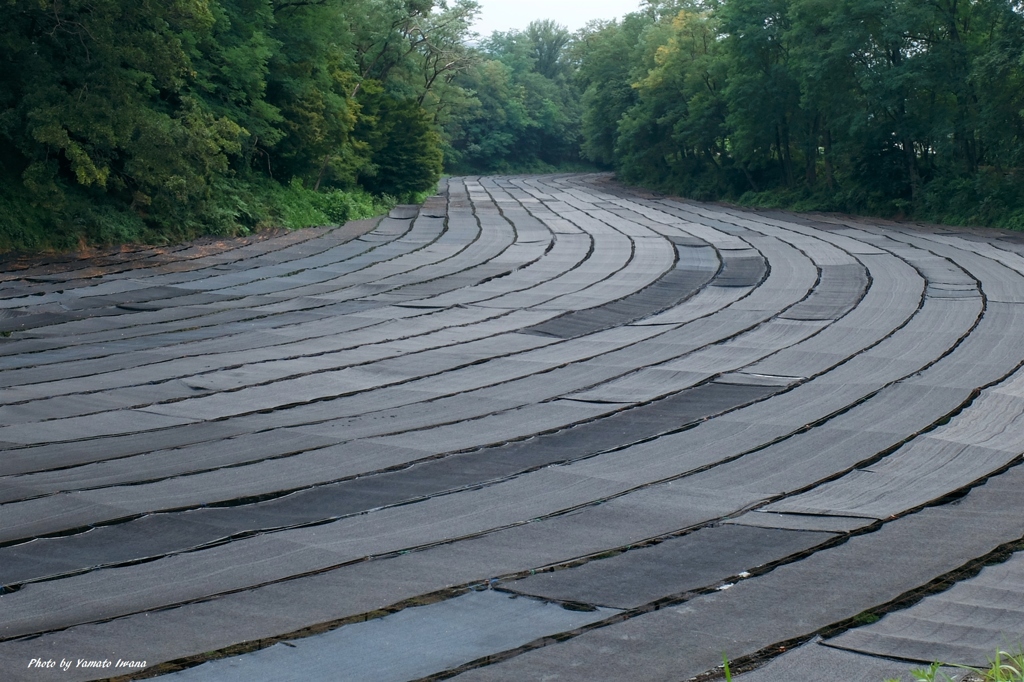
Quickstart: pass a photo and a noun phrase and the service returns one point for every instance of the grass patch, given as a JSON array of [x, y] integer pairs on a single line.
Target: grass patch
[[1004, 667]]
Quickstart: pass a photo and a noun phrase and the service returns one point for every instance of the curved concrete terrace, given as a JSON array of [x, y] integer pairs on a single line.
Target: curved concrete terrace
[[542, 427]]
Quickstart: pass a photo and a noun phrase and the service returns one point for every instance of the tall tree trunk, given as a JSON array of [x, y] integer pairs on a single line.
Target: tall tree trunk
[[323, 169], [750, 179], [811, 171], [787, 157], [778, 153], [915, 178], [830, 176]]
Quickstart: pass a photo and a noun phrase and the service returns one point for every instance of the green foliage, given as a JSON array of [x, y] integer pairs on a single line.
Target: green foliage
[[156, 121], [890, 107], [546, 42], [521, 109], [340, 207], [99, 97], [295, 206], [235, 207], [674, 135], [27, 227], [1003, 667], [610, 57], [405, 150]]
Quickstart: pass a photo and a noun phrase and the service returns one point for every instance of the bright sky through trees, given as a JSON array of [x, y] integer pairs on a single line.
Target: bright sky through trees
[[502, 15]]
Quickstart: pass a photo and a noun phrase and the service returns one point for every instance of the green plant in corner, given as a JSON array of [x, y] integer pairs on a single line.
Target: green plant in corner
[[725, 664], [1006, 667], [929, 674]]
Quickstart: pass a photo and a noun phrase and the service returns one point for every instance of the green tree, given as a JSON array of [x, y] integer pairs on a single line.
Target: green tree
[[607, 54], [405, 149], [144, 119], [681, 110], [521, 109], [101, 94], [546, 42]]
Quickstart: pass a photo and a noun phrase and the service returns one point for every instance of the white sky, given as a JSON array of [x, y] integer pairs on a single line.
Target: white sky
[[502, 15]]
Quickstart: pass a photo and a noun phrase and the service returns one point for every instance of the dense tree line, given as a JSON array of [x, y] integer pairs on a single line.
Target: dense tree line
[[157, 119], [521, 106], [912, 107], [154, 120]]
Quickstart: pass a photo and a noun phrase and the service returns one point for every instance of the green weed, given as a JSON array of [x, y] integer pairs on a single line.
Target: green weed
[[1004, 667]]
